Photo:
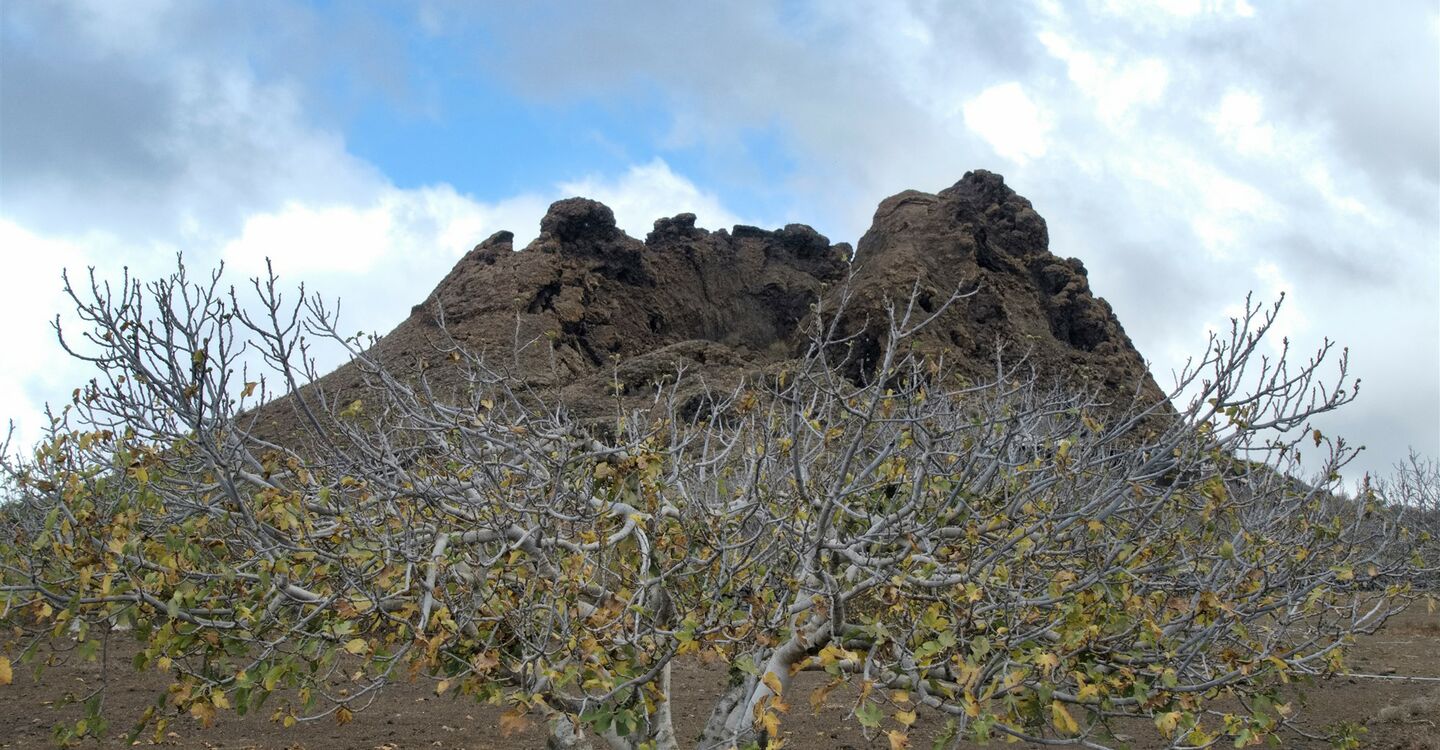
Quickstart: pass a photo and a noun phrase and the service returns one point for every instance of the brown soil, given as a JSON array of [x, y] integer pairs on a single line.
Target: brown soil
[[1399, 714]]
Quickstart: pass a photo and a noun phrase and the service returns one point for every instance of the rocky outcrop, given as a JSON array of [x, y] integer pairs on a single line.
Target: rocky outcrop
[[586, 307], [979, 237]]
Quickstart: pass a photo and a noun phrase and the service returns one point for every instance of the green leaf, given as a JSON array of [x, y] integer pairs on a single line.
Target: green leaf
[[598, 718], [747, 665], [272, 677]]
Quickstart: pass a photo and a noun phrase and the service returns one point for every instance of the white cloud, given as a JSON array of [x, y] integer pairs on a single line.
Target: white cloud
[[646, 192], [1319, 177], [1179, 10], [34, 367], [304, 240], [1224, 212], [1292, 323], [1115, 88], [420, 225], [1013, 124], [1239, 120]]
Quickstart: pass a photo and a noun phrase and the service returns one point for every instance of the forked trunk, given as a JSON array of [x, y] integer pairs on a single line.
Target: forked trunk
[[659, 731]]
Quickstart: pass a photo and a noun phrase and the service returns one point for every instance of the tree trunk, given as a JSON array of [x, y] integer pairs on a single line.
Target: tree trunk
[[664, 732], [660, 730], [726, 727]]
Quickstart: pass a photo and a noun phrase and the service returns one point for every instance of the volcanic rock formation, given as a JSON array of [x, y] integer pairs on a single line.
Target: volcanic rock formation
[[585, 305], [979, 236]]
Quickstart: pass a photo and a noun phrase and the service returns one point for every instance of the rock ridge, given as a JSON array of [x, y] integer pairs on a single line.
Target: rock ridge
[[589, 305]]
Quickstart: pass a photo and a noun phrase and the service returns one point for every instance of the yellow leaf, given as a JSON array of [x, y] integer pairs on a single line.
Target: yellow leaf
[[247, 390], [831, 654], [772, 682], [1061, 718], [513, 721], [817, 698], [1167, 723], [898, 739], [218, 700], [289, 721], [203, 713], [770, 721], [905, 717], [1048, 662], [6, 673], [442, 687], [357, 646], [343, 716]]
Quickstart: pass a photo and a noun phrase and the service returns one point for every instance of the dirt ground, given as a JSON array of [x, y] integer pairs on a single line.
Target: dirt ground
[[1398, 714]]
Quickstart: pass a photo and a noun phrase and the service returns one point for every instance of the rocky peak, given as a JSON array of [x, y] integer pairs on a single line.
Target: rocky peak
[[575, 221], [677, 226], [980, 236], [589, 303]]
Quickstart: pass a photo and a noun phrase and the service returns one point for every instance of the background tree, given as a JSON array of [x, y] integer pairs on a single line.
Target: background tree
[[1015, 556]]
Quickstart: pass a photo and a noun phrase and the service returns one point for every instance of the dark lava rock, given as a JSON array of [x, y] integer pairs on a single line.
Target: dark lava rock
[[589, 306], [979, 236]]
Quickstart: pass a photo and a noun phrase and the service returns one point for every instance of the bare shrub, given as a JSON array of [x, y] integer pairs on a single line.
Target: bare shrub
[[1026, 561]]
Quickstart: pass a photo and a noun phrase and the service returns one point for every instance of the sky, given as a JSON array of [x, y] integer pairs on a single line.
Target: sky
[[1188, 151]]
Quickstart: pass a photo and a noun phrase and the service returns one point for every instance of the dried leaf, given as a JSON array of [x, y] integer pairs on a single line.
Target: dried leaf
[[203, 713], [770, 721], [817, 698], [1167, 722], [514, 721], [484, 662], [1061, 718]]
